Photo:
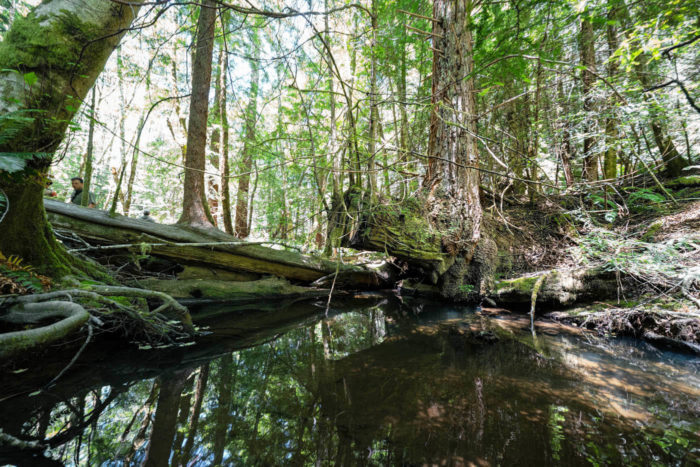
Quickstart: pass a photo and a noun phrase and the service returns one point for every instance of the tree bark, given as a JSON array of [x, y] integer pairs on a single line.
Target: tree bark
[[194, 212], [452, 150], [87, 177], [133, 166], [224, 169], [373, 107], [673, 161], [587, 50], [611, 132], [87, 32]]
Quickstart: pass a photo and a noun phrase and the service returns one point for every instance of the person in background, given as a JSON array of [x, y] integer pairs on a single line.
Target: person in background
[[77, 196], [146, 216]]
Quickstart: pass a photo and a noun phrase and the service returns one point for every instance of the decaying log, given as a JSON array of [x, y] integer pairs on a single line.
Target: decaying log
[[222, 251], [560, 288], [232, 292]]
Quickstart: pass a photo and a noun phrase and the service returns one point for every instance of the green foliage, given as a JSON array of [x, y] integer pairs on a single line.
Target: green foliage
[[615, 252], [556, 419], [645, 194], [16, 277]]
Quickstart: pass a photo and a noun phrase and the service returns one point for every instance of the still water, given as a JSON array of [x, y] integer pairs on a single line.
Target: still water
[[376, 381]]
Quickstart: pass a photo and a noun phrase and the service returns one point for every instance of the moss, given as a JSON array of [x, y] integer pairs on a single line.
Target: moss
[[652, 230], [687, 181], [406, 232], [519, 285], [233, 291], [59, 51], [26, 44]]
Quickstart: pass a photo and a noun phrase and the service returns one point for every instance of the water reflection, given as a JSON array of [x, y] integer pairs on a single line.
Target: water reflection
[[376, 382]]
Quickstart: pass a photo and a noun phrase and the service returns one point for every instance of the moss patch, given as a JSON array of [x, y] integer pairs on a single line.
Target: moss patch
[[652, 230], [517, 285], [687, 181], [27, 42], [233, 291]]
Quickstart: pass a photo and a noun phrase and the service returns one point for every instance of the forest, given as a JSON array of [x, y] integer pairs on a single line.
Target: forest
[[224, 224]]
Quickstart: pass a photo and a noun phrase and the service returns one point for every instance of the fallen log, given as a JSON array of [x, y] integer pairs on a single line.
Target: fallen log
[[560, 288], [212, 248], [232, 292]]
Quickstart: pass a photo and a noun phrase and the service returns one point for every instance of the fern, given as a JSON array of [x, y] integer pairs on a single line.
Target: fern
[[11, 126], [645, 194]]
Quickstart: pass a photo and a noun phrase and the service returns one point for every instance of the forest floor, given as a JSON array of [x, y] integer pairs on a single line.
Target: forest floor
[[644, 249]]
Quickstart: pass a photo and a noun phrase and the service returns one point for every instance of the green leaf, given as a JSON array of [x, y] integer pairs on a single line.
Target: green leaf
[[12, 164], [17, 161], [30, 78]]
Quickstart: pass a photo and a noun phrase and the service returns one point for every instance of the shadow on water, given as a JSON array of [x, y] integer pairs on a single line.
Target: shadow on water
[[379, 381]]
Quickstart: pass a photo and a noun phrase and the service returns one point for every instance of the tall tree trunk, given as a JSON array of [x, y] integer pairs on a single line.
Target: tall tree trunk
[[565, 146], [87, 176], [133, 166], [587, 50], [62, 82], [194, 211], [673, 161], [251, 115], [224, 169], [407, 159], [373, 107], [611, 133], [452, 149]]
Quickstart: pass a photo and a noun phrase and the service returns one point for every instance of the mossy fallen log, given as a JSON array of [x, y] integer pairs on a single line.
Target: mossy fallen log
[[560, 288], [216, 249], [242, 292]]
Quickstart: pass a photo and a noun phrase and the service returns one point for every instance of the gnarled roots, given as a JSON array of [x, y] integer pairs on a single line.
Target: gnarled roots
[[104, 310]]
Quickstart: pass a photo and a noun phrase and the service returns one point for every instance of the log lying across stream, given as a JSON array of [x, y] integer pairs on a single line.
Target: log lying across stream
[[211, 249]]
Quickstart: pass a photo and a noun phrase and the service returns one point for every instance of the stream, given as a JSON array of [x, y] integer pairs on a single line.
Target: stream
[[378, 380]]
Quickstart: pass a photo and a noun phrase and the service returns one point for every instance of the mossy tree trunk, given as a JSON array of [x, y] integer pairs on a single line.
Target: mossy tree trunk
[[440, 236], [49, 60]]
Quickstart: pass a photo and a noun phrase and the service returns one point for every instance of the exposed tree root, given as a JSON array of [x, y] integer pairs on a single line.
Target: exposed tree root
[[73, 317], [676, 330], [32, 309]]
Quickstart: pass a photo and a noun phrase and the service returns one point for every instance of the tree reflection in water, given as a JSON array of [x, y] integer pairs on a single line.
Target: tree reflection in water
[[384, 383]]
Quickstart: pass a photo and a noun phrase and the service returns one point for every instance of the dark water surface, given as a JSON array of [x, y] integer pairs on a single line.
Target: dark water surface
[[380, 381]]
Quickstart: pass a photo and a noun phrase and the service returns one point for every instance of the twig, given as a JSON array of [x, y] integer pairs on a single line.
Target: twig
[[416, 15], [73, 360]]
